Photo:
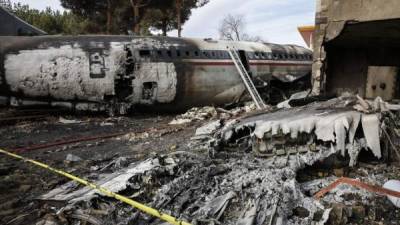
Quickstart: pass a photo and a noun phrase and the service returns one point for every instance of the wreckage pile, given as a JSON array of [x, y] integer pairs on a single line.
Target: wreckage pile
[[243, 171], [201, 114]]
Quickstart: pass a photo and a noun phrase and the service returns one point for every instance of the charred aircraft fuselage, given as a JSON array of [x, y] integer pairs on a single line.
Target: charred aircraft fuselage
[[119, 72]]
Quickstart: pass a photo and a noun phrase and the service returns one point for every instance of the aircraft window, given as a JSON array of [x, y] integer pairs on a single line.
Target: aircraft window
[[213, 54], [178, 53], [196, 53], [226, 55], [275, 56], [262, 55], [169, 53], [159, 53], [144, 53], [256, 55], [248, 54], [206, 54], [187, 53]]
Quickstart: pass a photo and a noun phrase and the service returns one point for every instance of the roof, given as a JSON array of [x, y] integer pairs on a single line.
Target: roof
[[11, 25]]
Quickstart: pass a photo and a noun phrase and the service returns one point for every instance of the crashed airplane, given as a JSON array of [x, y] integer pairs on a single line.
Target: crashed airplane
[[118, 73]]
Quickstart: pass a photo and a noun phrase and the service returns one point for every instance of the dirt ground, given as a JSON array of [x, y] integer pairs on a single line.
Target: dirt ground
[[139, 137]]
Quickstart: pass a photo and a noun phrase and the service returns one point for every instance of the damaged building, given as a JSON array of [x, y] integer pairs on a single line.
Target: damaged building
[[356, 47]]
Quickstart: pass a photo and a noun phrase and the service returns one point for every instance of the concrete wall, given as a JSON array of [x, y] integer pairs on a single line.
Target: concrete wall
[[350, 37]]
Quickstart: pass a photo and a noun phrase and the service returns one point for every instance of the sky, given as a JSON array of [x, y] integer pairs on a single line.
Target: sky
[[275, 21]]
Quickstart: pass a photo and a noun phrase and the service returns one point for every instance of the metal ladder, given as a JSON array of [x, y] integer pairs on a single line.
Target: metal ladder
[[246, 78]]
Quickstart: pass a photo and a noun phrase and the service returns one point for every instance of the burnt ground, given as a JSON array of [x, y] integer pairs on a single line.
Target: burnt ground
[[147, 135], [21, 183]]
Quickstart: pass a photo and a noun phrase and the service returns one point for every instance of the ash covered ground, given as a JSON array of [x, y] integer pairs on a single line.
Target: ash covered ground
[[187, 166]]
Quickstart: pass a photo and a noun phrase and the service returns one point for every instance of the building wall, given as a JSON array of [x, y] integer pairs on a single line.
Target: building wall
[[350, 37]]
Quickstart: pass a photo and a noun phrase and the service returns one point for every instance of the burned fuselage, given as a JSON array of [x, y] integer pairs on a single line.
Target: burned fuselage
[[118, 72]]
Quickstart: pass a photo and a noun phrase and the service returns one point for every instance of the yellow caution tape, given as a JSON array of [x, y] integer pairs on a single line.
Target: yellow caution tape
[[144, 208]]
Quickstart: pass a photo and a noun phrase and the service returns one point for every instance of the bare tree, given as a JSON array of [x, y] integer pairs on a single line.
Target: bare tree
[[233, 27]]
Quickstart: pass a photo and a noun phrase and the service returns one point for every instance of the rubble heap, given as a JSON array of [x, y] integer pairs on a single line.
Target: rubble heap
[[236, 187]]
